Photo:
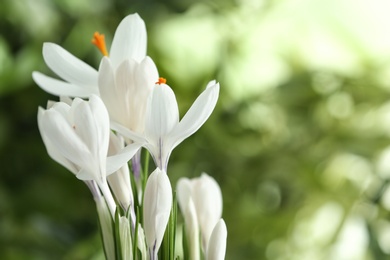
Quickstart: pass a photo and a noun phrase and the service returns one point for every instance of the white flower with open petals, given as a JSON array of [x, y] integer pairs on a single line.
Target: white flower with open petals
[[124, 79], [77, 136], [163, 131]]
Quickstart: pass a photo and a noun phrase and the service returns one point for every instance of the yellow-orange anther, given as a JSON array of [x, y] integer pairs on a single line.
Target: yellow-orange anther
[[98, 40], [161, 81]]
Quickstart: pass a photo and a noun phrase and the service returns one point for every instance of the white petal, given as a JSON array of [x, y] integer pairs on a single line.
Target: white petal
[[52, 150], [207, 197], [117, 161], [216, 249], [61, 88], [146, 74], [199, 112], [129, 40], [102, 124], [162, 114], [136, 137], [157, 208], [120, 180], [184, 192], [108, 90], [62, 136], [85, 126], [68, 67]]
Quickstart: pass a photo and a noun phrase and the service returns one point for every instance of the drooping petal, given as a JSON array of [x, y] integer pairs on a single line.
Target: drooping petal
[[61, 88], [129, 40], [157, 207], [216, 248], [68, 67], [195, 117]]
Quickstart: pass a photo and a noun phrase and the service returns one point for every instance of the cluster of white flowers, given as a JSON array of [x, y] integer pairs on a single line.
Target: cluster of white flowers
[[103, 119]]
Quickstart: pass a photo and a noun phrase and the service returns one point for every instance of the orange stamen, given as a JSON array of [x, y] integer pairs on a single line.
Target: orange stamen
[[161, 81], [98, 40]]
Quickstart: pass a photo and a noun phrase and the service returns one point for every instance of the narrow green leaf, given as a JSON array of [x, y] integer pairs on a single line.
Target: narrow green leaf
[[118, 244], [135, 241]]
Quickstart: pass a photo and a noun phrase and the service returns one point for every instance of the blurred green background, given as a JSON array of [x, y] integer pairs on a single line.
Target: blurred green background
[[299, 141]]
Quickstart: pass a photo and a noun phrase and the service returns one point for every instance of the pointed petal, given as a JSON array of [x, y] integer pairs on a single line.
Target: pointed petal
[[157, 208], [117, 161], [129, 40], [61, 88], [136, 137], [68, 67], [162, 114], [199, 112], [216, 249]]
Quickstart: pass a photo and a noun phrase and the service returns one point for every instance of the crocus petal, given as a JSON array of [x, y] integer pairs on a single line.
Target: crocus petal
[[136, 137], [119, 181], [207, 198], [61, 88], [68, 67], [195, 117], [62, 136], [118, 160], [102, 125], [157, 208], [162, 114], [108, 90], [216, 249], [184, 192], [51, 149], [129, 40]]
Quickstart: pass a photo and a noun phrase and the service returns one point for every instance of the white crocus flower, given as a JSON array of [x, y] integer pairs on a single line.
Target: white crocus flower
[[216, 248], [206, 195], [156, 210], [163, 131], [124, 80], [77, 136]]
